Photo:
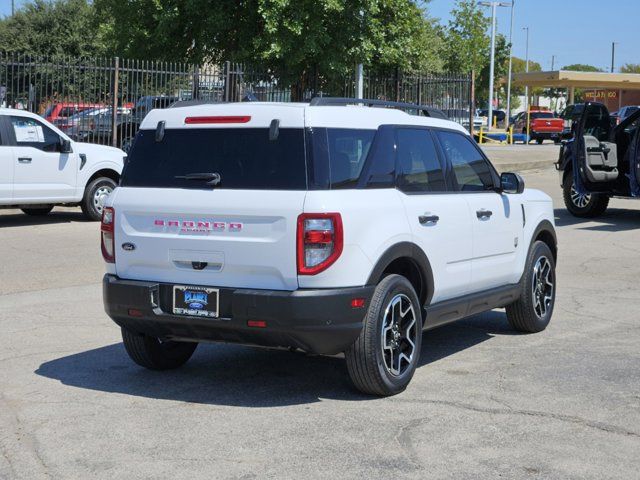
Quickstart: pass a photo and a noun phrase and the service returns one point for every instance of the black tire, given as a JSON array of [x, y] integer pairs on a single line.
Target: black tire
[[151, 353], [587, 206], [367, 361], [37, 212], [539, 141], [529, 314], [91, 205]]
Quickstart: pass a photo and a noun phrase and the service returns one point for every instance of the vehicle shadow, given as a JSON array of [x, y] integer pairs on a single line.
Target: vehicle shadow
[[250, 377], [613, 220], [15, 218]]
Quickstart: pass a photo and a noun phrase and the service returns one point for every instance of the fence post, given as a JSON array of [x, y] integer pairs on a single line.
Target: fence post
[[227, 79], [398, 84], [195, 90], [114, 101], [472, 101]]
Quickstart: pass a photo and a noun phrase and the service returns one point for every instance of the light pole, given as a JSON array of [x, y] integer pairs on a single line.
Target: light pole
[[553, 62], [359, 67], [513, 4], [613, 55], [526, 87], [494, 6]]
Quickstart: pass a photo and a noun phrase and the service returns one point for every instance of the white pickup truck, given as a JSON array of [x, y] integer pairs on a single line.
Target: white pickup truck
[[41, 167]]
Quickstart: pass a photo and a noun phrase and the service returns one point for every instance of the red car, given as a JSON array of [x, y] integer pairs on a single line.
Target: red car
[[543, 125], [67, 109]]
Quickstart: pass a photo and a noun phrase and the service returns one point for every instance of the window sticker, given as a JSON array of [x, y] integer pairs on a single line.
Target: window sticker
[[28, 133]]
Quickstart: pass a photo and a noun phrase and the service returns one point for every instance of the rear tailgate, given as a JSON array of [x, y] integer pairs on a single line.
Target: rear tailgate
[[243, 239], [211, 195], [547, 125]]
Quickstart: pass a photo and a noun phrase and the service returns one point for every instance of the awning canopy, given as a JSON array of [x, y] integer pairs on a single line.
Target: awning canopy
[[568, 79]]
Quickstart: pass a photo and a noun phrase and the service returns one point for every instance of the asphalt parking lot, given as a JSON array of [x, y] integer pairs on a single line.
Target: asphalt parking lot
[[485, 402]]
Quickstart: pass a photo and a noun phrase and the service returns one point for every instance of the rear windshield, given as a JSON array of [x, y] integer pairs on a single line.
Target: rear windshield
[[542, 115], [245, 158]]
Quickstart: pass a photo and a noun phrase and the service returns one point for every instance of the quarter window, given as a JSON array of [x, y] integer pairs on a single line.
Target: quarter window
[[471, 171], [419, 168], [31, 133]]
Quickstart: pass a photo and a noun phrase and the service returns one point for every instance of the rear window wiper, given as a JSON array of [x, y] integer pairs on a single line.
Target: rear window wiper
[[213, 178]]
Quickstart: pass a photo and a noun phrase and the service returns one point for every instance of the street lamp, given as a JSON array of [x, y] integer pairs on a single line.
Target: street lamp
[[494, 6], [526, 68], [513, 4]]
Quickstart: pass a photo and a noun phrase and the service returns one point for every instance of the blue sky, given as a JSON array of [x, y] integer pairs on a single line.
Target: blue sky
[[576, 31]]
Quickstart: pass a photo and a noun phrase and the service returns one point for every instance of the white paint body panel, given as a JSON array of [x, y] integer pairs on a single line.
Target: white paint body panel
[[466, 255]]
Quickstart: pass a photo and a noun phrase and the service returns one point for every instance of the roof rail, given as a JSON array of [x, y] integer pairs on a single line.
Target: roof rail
[[408, 107]]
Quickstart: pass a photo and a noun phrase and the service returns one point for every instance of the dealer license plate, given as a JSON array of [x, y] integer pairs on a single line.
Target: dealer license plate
[[195, 301]]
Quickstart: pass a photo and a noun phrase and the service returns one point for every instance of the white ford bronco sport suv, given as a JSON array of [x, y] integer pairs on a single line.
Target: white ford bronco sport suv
[[41, 167], [328, 227]]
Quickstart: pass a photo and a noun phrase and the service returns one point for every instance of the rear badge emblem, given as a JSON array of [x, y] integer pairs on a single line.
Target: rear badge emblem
[[128, 247]]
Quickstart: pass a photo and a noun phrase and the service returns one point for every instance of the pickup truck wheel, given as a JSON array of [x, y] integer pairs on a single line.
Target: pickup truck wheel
[[583, 205], [539, 141], [37, 212], [383, 359], [151, 353], [94, 197], [532, 312]]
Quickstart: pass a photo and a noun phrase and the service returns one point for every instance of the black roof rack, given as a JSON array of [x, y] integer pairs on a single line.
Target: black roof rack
[[338, 101]]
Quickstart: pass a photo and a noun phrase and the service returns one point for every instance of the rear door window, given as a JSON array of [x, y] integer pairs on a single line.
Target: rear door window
[[418, 165], [245, 158]]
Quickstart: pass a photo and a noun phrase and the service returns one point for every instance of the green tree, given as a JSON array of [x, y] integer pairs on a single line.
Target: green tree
[[581, 67], [466, 40], [630, 68], [292, 34], [501, 67], [61, 27]]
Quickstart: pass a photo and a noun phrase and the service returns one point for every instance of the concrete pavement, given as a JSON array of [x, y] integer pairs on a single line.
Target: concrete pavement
[[485, 402]]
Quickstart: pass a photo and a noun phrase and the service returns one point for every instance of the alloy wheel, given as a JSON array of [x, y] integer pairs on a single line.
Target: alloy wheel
[[580, 200], [542, 286], [399, 335]]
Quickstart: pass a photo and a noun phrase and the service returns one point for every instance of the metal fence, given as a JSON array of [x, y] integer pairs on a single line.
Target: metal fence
[[103, 100]]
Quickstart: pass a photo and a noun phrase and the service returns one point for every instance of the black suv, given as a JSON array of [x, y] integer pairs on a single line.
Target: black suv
[[600, 161]]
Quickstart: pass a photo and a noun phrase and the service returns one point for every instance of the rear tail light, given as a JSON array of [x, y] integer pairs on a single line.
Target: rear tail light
[[107, 242], [320, 241]]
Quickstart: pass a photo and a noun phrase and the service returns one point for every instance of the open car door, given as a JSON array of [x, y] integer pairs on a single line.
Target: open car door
[[595, 156], [633, 154]]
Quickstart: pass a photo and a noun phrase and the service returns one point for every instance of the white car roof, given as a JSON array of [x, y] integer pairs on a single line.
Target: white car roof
[[292, 115]]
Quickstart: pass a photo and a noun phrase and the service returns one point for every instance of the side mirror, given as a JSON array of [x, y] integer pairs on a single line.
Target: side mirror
[[65, 146], [511, 183]]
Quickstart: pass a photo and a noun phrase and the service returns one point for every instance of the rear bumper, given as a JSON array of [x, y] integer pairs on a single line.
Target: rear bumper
[[546, 135], [317, 321]]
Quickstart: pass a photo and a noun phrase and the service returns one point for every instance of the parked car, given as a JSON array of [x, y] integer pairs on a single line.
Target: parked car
[[498, 115], [220, 231], [600, 161], [67, 109], [77, 125], [462, 117], [543, 125], [624, 112], [42, 167], [127, 125]]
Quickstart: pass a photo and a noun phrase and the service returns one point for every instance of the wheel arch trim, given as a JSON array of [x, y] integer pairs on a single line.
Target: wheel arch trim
[[405, 250]]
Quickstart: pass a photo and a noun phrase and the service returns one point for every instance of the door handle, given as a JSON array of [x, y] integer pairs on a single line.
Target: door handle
[[24, 160], [428, 219], [483, 214]]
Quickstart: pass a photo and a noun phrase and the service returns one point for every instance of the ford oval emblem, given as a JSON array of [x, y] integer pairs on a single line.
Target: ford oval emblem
[[128, 247]]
